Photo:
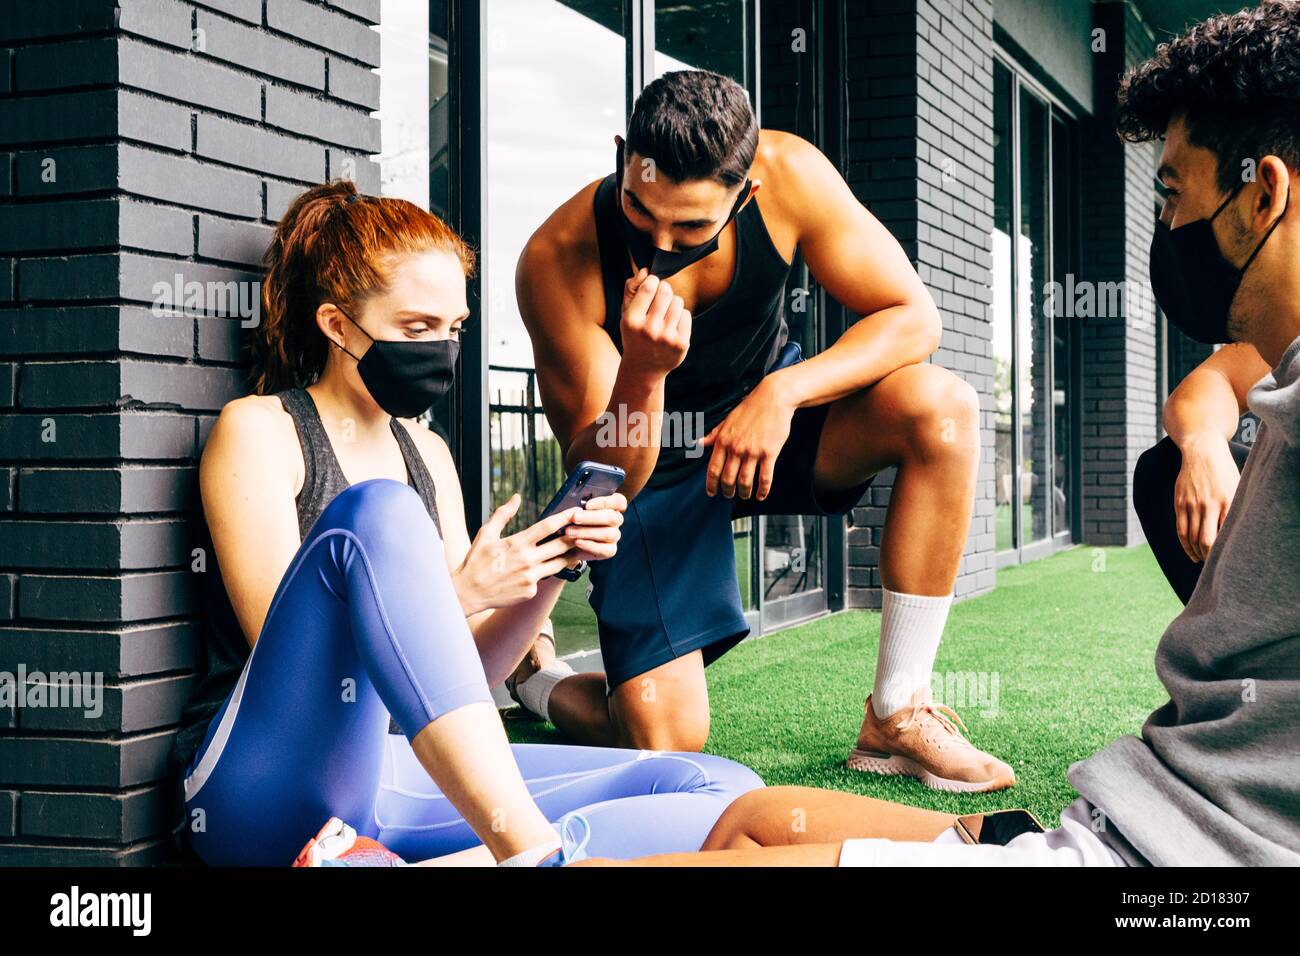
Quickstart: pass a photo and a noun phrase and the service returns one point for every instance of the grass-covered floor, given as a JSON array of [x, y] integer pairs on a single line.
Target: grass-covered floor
[[1071, 640]]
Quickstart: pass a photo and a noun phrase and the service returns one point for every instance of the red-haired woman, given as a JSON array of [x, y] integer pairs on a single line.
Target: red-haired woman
[[348, 589]]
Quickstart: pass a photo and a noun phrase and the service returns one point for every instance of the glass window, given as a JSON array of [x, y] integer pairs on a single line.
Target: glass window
[[1032, 334], [792, 545], [439, 111], [1003, 173], [554, 99], [1031, 283], [703, 35], [711, 35], [403, 102], [1063, 266]]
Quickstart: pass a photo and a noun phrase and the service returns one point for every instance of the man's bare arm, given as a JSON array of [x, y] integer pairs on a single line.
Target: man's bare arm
[[1201, 416], [584, 381], [1211, 399], [856, 260]]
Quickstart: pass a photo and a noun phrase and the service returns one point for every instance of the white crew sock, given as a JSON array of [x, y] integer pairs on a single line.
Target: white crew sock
[[535, 692], [532, 857], [911, 626]]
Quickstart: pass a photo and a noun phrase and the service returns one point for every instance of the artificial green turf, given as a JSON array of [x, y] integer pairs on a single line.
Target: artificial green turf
[[1071, 639]]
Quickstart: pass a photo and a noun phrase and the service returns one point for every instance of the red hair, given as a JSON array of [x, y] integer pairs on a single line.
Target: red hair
[[333, 245]]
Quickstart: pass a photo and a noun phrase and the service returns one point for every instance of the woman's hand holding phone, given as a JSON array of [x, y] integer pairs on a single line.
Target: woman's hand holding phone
[[500, 572], [594, 531]]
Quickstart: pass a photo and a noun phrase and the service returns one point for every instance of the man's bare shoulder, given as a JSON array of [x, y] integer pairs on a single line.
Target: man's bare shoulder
[[790, 167], [561, 263], [567, 238]]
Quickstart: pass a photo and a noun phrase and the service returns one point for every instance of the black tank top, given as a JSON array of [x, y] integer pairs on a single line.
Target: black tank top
[[225, 647], [733, 341]]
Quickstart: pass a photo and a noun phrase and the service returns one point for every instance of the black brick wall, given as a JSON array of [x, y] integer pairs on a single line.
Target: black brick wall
[[1119, 351], [920, 117], [139, 140]]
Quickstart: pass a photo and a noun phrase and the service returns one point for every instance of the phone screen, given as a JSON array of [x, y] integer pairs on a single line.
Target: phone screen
[[1001, 827]]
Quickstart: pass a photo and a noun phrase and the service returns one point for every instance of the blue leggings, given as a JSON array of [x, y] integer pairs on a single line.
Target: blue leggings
[[366, 623]]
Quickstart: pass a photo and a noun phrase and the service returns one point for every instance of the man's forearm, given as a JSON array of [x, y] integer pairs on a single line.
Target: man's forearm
[[868, 350], [627, 433], [1203, 404]]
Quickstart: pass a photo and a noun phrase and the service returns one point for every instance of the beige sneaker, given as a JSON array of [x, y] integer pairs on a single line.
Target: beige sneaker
[[920, 741]]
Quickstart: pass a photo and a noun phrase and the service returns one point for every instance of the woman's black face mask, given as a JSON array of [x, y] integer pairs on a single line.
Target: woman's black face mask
[[405, 378], [1194, 284], [646, 255]]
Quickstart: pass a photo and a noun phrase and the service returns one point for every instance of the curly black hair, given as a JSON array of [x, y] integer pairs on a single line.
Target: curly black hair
[[1235, 80]]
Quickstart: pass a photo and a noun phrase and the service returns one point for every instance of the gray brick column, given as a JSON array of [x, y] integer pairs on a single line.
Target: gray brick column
[[1119, 346], [142, 142], [920, 92]]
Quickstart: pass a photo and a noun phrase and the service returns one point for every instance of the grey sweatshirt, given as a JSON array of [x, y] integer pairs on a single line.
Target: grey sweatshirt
[[1215, 777]]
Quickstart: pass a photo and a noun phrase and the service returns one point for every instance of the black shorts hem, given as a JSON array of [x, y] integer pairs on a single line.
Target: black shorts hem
[[670, 652]]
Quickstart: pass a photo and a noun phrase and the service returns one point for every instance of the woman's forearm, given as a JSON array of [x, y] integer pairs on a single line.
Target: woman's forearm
[[505, 634]]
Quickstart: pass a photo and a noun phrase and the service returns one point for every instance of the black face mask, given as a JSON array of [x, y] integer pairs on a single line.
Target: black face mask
[[659, 262], [1194, 284], [405, 378]]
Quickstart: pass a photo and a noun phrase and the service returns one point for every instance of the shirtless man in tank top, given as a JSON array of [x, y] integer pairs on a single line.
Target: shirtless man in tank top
[[656, 296]]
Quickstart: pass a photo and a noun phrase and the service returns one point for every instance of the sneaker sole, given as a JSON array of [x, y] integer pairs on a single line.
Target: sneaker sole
[[893, 765]]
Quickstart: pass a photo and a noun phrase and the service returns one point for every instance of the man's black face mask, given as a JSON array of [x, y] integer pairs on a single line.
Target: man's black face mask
[[1194, 284], [661, 263]]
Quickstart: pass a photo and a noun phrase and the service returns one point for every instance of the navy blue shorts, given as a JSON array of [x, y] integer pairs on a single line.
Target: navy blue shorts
[[671, 588]]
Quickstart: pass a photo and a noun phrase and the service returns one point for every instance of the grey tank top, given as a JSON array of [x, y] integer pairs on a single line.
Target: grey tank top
[[225, 648], [323, 477]]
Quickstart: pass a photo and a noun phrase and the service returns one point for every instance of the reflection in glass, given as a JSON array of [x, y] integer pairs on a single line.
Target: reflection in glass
[[1031, 276], [710, 35], [1003, 320], [1062, 265], [439, 111], [443, 417], [701, 35], [792, 544]]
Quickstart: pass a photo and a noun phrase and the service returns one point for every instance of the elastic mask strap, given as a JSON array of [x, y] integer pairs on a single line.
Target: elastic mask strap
[[363, 332], [1276, 223]]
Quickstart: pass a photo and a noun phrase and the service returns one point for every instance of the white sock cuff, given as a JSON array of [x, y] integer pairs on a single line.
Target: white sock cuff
[[920, 601], [535, 693], [532, 856]]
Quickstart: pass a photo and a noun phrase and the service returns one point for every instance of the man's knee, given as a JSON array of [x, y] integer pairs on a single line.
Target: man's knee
[[650, 724], [939, 410], [677, 737]]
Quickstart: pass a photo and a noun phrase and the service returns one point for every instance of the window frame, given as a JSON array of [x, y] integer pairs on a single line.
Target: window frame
[[468, 427], [1021, 551]]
